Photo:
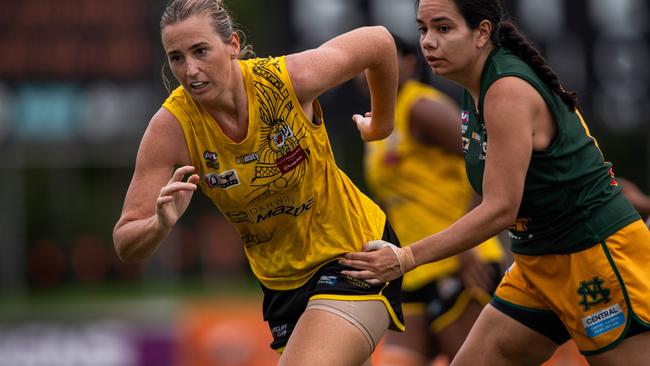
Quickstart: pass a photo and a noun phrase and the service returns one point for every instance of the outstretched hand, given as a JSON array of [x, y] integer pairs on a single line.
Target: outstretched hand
[[175, 196], [379, 262]]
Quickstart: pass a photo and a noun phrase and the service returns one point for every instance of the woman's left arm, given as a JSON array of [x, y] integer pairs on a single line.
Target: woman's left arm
[[511, 109], [340, 59]]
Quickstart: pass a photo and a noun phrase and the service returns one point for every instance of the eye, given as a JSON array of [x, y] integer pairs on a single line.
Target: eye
[[444, 28], [422, 29], [175, 59], [201, 51]]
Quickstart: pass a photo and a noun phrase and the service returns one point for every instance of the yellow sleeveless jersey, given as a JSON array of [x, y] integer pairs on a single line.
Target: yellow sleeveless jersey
[[423, 188], [280, 186]]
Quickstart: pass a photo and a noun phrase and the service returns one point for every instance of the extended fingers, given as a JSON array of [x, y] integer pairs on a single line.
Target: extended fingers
[[180, 173], [174, 187], [368, 276]]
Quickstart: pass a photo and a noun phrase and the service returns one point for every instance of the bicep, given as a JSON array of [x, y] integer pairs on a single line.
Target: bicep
[[509, 112], [338, 60], [162, 148]]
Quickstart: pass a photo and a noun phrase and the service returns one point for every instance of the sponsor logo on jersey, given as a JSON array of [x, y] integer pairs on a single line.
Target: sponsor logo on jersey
[[464, 117], [327, 280], [286, 210], [476, 137], [603, 321], [247, 158], [237, 216], [211, 159], [291, 160], [465, 141], [279, 331], [483, 152], [225, 180], [357, 282], [253, 239]]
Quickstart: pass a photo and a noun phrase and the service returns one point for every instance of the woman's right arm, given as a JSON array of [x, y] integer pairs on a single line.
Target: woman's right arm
[[157, 196]]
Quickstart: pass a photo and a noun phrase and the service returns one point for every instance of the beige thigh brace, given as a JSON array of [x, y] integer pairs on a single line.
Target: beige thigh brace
[[369, 316]]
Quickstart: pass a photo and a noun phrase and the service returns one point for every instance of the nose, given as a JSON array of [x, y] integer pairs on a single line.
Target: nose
[[428, 41], [192, 68]]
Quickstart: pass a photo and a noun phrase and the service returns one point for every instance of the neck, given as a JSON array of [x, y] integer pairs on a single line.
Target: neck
[[228, 106], [470, 78]]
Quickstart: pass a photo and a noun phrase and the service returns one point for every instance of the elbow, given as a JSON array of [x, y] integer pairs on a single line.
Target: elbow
[[122, 251], [126, 251], [502, 215], [382, 131], [506, 216]]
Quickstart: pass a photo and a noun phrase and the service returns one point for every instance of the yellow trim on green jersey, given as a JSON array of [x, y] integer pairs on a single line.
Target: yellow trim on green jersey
[[280, 187], [423, 188]]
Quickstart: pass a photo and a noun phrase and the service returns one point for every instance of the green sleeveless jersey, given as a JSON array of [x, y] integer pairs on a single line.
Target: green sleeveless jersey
[[571, 199]]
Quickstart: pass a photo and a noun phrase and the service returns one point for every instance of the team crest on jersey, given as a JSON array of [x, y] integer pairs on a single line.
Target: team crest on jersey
[[592, 292], [225, 180], [211, 159], [520, 224], [281, 135]]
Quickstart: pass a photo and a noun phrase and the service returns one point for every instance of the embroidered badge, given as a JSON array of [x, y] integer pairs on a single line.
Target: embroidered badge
[[224, 180], [592, 292], [210, 158]]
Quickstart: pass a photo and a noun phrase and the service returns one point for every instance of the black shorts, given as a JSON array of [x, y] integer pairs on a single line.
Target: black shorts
[[445, 299], [283, 308]]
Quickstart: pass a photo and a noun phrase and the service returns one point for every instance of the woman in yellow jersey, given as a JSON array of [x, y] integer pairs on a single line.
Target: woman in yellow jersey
[[418, 176], [251, 134], [580, 248]]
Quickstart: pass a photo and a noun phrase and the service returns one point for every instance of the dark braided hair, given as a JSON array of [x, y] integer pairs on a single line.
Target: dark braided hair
[[506, 34]]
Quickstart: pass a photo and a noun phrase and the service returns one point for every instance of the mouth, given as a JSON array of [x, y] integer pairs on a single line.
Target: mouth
[[433, 61], [198, 85]]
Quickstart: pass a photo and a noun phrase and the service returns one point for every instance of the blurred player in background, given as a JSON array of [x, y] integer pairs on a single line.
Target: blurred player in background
[[418, 176], [580, 248], [637, 198], [251, 135]]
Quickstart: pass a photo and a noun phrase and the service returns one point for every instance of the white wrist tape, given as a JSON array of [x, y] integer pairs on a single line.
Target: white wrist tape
[[404, 255]]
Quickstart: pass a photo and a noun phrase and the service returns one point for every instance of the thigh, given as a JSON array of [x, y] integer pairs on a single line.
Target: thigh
[[632, 351], [323, 337], [496, 339]]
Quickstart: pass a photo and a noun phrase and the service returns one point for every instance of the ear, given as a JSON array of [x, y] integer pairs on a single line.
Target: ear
[[484, 31], [234, 45]]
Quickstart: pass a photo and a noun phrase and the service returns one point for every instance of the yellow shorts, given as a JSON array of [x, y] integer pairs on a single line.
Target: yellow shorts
[[598, 296]]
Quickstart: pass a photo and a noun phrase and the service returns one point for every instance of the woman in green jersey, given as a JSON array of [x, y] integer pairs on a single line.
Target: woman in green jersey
[[251, 134], [580, 249], [441, 300]]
